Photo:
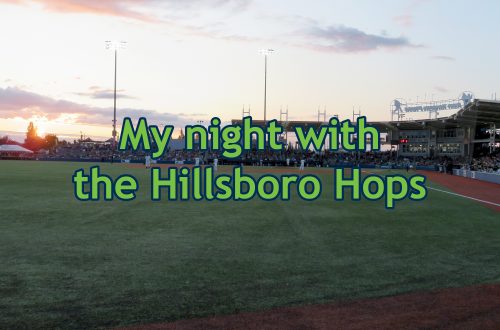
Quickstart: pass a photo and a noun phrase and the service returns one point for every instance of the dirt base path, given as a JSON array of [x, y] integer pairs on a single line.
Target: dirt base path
[[475, 307]]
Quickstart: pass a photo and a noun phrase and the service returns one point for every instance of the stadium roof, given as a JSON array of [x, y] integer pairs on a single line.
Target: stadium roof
[[14, 148], [476, 112]]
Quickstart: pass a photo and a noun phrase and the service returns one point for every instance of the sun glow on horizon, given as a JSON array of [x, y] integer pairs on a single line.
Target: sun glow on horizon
[[40, 128], [17, 127]]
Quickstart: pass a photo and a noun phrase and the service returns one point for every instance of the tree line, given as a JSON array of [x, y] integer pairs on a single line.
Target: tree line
[[33, 141]]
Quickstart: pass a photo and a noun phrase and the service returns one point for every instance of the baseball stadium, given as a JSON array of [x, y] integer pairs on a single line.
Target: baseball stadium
[[260, 264], [137, 194]]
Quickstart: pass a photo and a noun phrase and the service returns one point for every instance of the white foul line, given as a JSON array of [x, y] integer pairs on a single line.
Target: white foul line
[[476, 199], [452, 193]]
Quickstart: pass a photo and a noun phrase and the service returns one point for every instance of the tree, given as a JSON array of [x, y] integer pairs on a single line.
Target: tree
[[33, 141], [6, 140], [31, 134], [51, 141]]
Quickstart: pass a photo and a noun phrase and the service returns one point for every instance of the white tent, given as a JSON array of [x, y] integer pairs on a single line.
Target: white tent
[[14, 148]]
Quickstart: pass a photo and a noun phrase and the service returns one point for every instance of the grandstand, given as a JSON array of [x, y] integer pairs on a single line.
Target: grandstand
[[472, 132], [467, 140], [468, 133]]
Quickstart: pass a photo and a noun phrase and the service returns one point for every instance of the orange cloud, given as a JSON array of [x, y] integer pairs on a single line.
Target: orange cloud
[[19, 103], [125, 8]]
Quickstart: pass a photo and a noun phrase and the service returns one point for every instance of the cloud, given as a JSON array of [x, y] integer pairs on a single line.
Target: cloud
[[442, 58], [178, 14], [96, 92], [121, 8], [216, 32], [417, 3], [134, 9], [343, 39], [174, 14], [197, 4], [311, 34], [441, 89], [16, 102], [192, 114], [405, 20]]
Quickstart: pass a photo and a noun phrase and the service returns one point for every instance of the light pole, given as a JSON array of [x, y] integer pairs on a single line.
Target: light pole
[[265, 52], [115, 46]]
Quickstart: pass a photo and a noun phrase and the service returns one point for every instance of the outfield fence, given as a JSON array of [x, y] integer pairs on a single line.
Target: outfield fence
[[483, 176], [244, 162]]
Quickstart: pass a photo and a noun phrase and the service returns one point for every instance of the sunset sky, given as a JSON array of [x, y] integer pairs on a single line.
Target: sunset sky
[[189, 60]]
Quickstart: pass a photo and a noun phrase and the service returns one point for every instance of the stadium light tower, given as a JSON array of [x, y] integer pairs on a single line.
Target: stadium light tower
[[115, 46], [265, 52]]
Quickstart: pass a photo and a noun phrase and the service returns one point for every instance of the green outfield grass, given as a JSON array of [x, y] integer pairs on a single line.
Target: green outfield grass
[[71, 264]]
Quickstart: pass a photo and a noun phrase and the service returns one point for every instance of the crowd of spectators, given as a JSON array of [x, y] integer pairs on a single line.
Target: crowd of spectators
[[94, 151], [489, 163]]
